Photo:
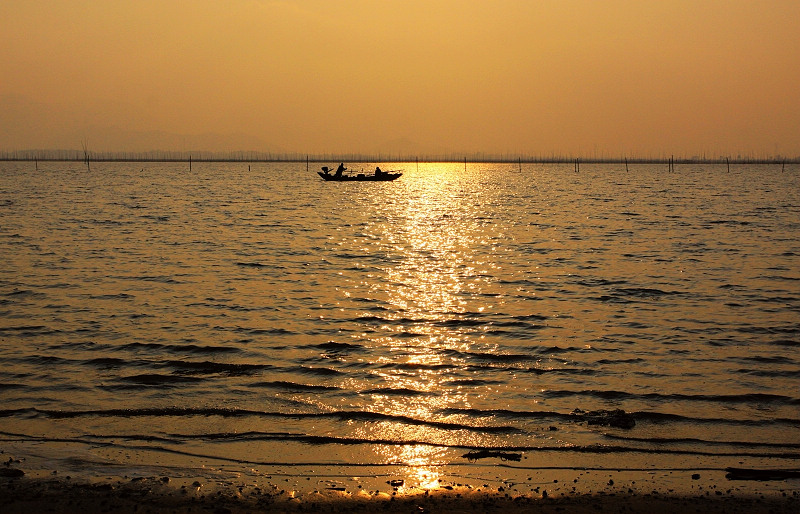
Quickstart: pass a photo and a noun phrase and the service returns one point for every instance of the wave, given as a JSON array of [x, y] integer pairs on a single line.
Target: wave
[[6, 386], [771, 330], [163, 279], [473, 382], [750, 398], [600, 282], [155, 379], [277, 331], [770, 373], [344, 416], [614, 418], [24, 293], [645, 292], [632, 360], [293, 386], [253, 265], [209, 367], [489, 357], [309, 439], [401, 391], [180, 348], [503, 413], [703, 442], [785, 342], [318, 371], [470, 320], [332, 346], [636, 294], [557, 350], [28, 331], [110, 296], [229, 307], [108, 362], [417, 365], [638, 416], [560, 371]]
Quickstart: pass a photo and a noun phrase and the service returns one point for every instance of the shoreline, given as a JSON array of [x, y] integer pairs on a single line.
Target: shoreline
[[158, 495], [67, 484]]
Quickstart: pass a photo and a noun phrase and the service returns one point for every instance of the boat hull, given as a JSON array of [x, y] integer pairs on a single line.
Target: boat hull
[[383, 177]]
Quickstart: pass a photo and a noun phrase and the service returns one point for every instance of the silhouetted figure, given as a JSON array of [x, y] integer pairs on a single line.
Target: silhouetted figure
[[340, 170], [378, 171]]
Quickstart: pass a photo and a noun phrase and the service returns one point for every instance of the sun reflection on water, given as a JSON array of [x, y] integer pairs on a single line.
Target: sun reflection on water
[[421, 465], [431, 282], [436, 238]]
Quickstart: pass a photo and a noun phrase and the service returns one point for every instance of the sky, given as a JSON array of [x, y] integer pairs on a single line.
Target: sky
[[590, 78]]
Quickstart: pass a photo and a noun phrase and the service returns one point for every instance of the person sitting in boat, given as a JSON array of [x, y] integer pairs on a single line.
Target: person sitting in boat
[[340, 170], [378, 171]]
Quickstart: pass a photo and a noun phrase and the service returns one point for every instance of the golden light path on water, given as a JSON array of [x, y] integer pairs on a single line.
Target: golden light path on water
[[433, 231]]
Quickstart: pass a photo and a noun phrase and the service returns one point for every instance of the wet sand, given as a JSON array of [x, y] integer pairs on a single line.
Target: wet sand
[[60, 478], [620, 493]]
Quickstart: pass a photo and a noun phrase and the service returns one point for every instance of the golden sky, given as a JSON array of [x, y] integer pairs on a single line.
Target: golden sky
[[580, 77]]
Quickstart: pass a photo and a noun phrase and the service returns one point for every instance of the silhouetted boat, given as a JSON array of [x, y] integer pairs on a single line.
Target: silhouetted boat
[[360, 177]]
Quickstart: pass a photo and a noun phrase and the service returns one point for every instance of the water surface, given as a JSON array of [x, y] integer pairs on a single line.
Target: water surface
[[241, 316]]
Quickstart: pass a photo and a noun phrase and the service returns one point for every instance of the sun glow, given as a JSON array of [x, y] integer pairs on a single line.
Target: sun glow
[[422, 466], [437, 259], [427, 290]]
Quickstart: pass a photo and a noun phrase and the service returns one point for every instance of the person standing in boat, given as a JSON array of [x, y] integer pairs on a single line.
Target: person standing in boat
[[340, 170], [378, 171]]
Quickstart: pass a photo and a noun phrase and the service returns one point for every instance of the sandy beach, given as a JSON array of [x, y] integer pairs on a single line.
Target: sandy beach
[[393, 489], [158, 495]]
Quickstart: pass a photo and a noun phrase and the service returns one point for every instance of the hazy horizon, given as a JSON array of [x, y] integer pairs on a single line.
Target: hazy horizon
[[199, 155], [603, 79]]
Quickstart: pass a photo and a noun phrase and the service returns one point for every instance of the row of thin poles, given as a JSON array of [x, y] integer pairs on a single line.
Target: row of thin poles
[[576, 163]]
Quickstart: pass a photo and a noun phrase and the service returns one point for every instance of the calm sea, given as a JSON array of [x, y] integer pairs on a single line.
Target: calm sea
[[245, 315]]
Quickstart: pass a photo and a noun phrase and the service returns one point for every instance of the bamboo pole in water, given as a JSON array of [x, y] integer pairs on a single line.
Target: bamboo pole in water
[[728, 162], [85, 145]]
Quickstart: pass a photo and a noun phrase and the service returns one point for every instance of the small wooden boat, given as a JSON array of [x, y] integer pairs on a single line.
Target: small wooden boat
[[361, 177], [384, 176]]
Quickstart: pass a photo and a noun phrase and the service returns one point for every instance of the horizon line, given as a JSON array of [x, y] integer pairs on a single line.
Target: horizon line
[[450, 157]]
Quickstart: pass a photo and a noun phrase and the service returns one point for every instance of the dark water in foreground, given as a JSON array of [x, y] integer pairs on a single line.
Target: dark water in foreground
[[241, 318]]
